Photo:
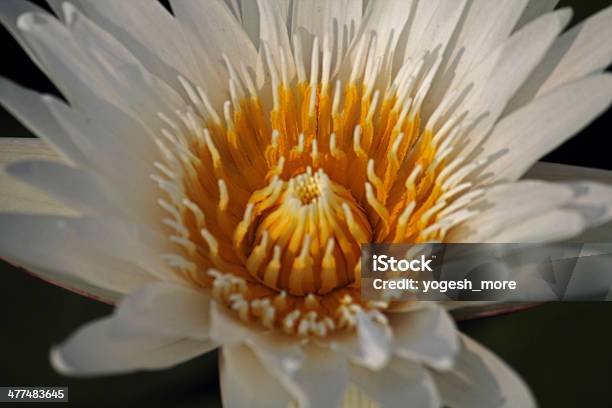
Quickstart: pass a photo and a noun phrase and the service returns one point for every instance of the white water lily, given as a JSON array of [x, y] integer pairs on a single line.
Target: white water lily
[[221, 165]]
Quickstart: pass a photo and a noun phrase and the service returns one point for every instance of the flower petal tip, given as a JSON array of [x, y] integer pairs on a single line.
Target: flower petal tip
[[57, 361]]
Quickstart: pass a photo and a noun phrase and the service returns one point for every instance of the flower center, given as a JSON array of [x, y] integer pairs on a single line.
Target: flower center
[[305, 187], [303, 235], [269, 199]]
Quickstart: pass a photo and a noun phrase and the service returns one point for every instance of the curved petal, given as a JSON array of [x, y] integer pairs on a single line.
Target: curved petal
[[554, 225], [89, 65], [337, 21], [227, 329], [157, 326], [432, 26], [562, 172], [501, 208], [387, 19], [553, 117], [79, 189], [483, 27], [318, 379], [15, 196], [480, 379], [321, 380], [497, 78], [125, 169], [427, 335], [217, 32], [164, 309], [245, 382], [318, 17], [584, 50], [273, 33], [557, 211], [398, 384], [371, 347], [277, 351], [95, 349], [148, 30], [111, 256], [30, 109]]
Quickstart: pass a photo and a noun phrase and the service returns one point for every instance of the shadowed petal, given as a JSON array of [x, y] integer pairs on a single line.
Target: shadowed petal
[[427, 335], [480, 379], [245, 381], [399, 384], [95, 349]]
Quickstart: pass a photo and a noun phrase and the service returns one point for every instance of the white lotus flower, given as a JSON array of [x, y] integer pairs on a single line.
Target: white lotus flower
[[222, 165]]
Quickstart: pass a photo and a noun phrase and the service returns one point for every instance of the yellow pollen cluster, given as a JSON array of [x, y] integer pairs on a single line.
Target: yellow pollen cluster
[[306, 187]]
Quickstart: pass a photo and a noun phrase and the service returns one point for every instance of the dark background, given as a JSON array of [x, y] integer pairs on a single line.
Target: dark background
[[562, 350]]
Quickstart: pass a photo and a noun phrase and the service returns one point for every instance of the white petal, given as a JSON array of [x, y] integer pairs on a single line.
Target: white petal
[[148, 31], [553, 118], [590, 50], [16, 196], [584, 50], [77, 188], [554, 225], [504, 206], [95, 349], [371, 347], [593, 201], [92, 69], [597, 188], [80, 252], [245, 382], [164, 309], [387, 19], [280, 353], [273, 33], [317, 18], [80, 141], [321, 380], [374, 340], [432, 26], [316, 379], [398, 384], [505, 71], [126, 169], [120, 71], [217, 32], [480, 379], [427, 335], [563, 172], [29, 108], [484, 27], [227, 329]]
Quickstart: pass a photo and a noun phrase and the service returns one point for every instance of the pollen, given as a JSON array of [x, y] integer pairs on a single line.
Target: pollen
[[268, 199], [305, 187]]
